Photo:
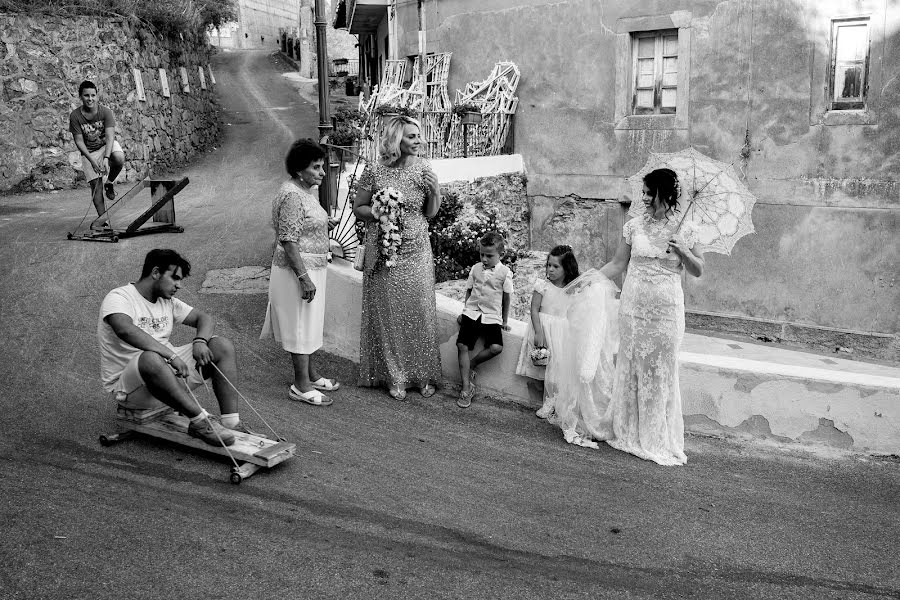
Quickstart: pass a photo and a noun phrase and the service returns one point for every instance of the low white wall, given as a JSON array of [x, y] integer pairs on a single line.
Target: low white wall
[[342, 327], [789, 401]]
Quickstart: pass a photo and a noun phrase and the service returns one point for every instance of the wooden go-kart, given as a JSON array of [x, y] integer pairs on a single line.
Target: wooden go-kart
[[249, 453]]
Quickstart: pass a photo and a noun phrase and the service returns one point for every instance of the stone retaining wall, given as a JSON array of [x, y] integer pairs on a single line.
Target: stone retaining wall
[[44, 59]]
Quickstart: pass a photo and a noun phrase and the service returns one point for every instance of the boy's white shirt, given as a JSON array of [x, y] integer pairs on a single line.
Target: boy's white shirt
[[486, 297]]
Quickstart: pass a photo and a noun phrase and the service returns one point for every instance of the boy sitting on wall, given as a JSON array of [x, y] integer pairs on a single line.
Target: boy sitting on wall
[[488, 293]]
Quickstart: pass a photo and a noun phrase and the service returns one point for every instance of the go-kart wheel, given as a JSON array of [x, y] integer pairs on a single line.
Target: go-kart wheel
[[69, 236], [115, 239], [105, 441], [236, 478]]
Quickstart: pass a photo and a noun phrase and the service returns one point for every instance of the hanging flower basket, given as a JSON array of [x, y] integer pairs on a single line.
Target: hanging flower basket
[[468, 113]]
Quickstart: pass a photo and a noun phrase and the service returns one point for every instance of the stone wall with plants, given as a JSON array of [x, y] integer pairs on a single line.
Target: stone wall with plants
[[471, 209], [468, 211], [44, 58]]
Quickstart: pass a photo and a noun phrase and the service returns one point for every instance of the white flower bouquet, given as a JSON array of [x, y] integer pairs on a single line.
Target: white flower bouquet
[[540, 356], [387, 207]]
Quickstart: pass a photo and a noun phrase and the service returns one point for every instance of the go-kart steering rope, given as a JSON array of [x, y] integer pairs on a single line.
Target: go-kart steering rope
[[206, 416], [277, 437]]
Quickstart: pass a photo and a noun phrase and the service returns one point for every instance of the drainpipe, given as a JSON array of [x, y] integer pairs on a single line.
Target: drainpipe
[[324, 110]]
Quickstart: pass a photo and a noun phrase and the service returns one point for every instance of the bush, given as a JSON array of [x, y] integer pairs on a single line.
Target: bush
[[169, 17], [455, 232]]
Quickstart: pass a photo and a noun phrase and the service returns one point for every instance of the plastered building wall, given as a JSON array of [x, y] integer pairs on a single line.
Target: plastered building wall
[[824, 265]]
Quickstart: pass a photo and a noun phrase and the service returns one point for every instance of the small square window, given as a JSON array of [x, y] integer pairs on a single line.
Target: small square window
[[848, 80], [655, 72]]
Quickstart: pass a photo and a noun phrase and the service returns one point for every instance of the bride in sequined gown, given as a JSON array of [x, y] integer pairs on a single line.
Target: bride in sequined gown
[[644, 416], [398, 339]]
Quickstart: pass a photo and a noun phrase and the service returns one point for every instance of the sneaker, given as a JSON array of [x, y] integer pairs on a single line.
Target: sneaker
[[110, 191], [206, 430]]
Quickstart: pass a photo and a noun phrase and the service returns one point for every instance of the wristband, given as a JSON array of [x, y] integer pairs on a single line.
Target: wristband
[[200, 339], [170, 359]]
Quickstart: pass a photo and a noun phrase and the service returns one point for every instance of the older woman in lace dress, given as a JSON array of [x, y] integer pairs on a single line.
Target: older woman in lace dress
[[296, 312], [645, 410], [398, 341]]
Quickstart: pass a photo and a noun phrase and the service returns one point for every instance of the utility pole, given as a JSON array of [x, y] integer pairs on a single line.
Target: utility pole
[[324, 109], [422, 68]]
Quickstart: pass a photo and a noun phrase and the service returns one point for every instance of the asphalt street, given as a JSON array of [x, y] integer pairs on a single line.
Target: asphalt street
[[384, 499]]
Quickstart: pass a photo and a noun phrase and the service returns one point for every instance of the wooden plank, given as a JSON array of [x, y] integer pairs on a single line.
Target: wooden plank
[[122, 200], [274, 450], [166, 212], [142, 416], [173, 427], [155, 206]]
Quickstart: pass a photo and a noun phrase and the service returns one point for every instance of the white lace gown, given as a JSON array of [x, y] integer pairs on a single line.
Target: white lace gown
[[587, 356], [580, 330], [645, 410]]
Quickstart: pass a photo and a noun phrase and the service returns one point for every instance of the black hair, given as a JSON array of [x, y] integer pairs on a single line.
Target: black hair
[[163, 259], [567, 259], [663, 183], [492, 238], [302, 153], [85, 85]]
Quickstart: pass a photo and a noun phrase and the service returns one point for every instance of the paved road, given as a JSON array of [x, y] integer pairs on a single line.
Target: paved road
[[385, 499]]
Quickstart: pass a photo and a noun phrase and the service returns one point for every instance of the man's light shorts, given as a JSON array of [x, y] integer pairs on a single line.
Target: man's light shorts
[[97, 155], [131, 391]]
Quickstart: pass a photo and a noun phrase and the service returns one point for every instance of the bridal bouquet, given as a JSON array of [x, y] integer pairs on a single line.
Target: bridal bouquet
[[540, 357], [387, 207]]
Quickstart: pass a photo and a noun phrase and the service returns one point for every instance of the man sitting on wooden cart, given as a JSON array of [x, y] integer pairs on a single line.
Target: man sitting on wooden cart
[[142, 368]]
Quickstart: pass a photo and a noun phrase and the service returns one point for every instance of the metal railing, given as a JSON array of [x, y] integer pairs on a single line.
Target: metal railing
[[345, 66]]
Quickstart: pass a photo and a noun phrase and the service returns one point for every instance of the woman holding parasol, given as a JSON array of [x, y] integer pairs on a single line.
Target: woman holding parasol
[[644, 415]]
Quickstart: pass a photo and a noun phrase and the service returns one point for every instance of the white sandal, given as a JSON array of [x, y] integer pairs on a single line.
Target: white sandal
[[314, 397], [326, 385]]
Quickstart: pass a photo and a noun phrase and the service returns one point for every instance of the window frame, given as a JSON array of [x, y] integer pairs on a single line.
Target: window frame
[[659, 55], [833, 103]]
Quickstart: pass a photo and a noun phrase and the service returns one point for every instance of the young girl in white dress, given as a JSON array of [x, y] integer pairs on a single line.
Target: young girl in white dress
[[547, 327]]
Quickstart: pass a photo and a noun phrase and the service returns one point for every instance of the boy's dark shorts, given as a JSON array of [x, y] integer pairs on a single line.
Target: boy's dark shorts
[[470, 330]]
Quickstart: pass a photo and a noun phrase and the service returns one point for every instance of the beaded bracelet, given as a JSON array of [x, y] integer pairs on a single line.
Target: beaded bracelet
[[200, 339]]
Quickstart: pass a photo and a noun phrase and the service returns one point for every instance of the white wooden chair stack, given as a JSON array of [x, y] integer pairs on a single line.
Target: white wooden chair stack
[[496, 98], [442, 131]]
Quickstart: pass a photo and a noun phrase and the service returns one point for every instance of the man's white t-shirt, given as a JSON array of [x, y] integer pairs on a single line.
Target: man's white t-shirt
[[155, 318]]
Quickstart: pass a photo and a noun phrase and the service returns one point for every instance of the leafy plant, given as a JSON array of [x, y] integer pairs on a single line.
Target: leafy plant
[[347, 126], [348, 115], [343, 135], [465, 107], [455, 232]]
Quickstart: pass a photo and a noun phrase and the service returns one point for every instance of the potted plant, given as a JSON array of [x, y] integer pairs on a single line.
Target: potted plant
[[468, 113], [386, 110], [343, 136], [346, 115]]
